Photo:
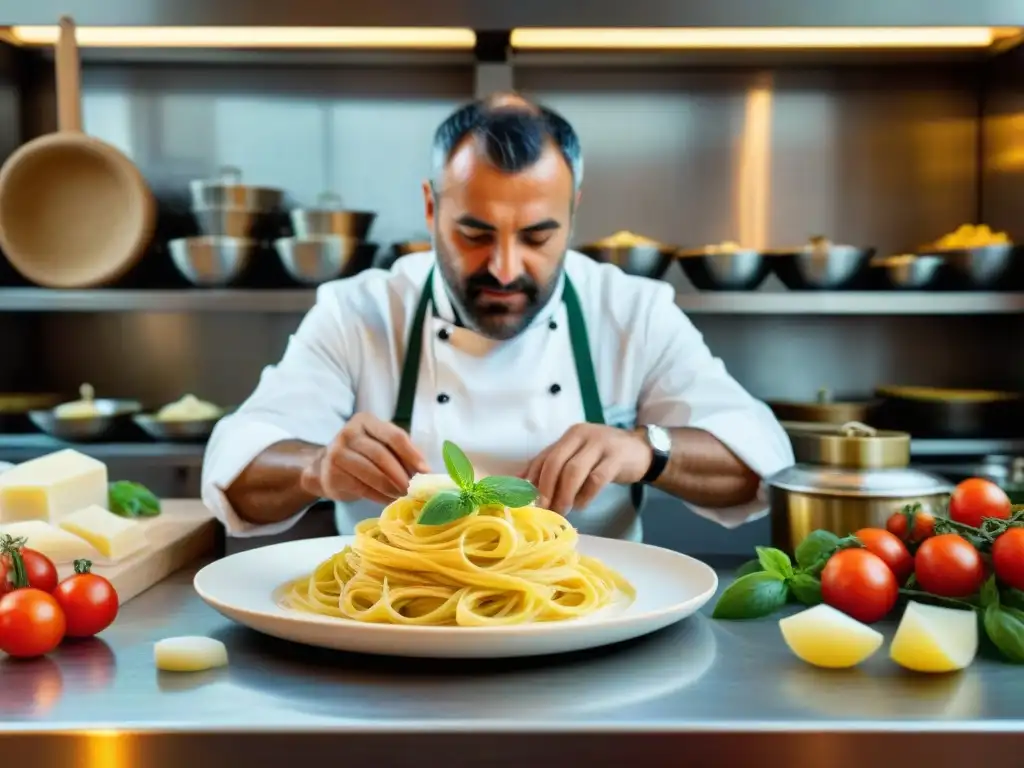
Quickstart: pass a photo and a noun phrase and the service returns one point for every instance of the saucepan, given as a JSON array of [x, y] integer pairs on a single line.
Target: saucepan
[[933, 412], [850, 476], [74, 211]]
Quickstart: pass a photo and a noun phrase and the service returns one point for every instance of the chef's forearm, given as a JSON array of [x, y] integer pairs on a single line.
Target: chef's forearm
[[269, 489], [702, 471]]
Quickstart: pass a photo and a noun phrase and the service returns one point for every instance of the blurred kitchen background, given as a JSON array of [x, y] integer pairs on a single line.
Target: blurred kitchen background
[[741, 147]]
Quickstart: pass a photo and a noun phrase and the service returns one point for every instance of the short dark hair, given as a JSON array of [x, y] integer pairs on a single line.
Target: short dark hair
[[513, 135]]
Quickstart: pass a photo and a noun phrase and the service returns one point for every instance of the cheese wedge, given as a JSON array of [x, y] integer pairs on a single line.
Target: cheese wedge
[[52, 486], [57, 544], [114, 537], [423, 487]]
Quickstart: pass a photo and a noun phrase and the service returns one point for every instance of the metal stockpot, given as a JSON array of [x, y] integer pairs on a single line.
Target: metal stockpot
[[850, 477]]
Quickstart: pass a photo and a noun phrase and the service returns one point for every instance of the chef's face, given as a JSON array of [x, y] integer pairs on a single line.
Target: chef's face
[[500, 238]]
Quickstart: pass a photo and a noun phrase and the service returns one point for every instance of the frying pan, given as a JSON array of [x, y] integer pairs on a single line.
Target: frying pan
[[930, 412], [74, 211]]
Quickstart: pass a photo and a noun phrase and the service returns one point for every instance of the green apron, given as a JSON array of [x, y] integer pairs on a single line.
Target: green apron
[[592, 408]]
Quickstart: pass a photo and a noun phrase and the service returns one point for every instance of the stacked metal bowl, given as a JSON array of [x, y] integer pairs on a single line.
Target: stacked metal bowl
[[233, 220], [329, 242]]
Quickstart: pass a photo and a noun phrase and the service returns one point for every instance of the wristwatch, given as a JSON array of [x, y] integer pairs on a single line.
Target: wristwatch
[[661, 448]]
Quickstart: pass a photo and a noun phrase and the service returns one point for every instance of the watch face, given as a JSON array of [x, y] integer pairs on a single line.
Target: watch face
[[660, 439]]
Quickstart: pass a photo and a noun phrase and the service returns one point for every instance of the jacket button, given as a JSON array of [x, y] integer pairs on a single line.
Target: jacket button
[[553, 325], [443, 334], [554, 389], [443, 398]]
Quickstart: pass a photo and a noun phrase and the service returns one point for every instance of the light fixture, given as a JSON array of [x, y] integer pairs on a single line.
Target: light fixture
[[252, 37], [760, 37]]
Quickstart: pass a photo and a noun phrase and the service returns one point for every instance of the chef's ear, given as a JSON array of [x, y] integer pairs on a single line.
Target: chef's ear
[[429, 204]]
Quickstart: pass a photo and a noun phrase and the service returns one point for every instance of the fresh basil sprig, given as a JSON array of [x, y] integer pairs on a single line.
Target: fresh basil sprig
[[448, 506], [129, 499]]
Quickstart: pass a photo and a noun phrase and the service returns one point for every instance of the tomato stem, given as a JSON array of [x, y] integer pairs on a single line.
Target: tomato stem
[[10, 549], [83, 566]]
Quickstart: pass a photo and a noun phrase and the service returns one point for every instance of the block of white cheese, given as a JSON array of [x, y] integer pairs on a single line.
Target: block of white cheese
[[424, 486], [189, 654], [52, 486], [114, 537], [57, 544]]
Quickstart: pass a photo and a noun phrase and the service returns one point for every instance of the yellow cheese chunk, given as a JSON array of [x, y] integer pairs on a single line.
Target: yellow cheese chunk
[[57, 544], [931, 638], [189, 654], [52, 486], [825, 637], [114, 537]]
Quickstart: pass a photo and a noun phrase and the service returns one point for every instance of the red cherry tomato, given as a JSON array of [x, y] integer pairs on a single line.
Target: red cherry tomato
[[40, 570], [89, 601], [1008, 558], [892, 551], [859, 584], [31, 623], [975, 499], [949, 566], [922, 527]]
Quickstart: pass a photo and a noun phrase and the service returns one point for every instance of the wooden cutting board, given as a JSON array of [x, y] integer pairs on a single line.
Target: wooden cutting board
[[184, 531]]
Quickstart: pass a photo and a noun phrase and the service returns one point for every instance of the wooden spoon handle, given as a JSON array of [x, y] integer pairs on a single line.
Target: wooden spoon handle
[[69, 96]]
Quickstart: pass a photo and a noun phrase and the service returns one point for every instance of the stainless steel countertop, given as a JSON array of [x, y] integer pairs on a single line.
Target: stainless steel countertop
[[725, 691]]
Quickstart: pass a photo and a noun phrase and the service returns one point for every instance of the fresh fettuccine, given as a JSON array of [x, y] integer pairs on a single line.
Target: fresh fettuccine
[[497, 566]]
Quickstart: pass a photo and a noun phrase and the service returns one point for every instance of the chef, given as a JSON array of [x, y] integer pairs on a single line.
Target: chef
[[535, 360]]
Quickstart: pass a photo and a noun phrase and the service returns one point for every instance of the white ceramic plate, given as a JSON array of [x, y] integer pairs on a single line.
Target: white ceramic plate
[[669, 586]]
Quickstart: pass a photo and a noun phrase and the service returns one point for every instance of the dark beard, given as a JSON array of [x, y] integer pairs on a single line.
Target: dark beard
[[494, 321]]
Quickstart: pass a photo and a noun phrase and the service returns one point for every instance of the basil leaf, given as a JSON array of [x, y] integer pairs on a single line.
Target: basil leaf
[[444, 507], [458, 465], [751, 566], [805, 588], [1012, 598], [752, 596], [1006, 631], [510, 491], [129, 499], [818, 544], [989, 593], [774, 561]]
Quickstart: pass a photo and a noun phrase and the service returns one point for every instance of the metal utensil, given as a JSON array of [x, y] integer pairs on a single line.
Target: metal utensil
[[982, 267], [228, 222], [114, 415], [175, 431], [15, 406], [851, 477], [905, 271], [933, 412], [823, 409], [821, 266], [643, 260], [227, 191], [328, 218], [211, 261], [740, 270], [319, 259]]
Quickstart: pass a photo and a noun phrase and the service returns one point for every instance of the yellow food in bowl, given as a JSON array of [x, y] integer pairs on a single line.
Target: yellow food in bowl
[[189, 408], [971, 236], [625, 239]]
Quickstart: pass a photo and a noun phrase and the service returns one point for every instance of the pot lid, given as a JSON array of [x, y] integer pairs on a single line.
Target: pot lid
[[852, 445], [899, 482]]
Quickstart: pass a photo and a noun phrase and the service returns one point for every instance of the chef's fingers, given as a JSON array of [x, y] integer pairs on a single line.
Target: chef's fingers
[[348, 467], [574, 475], [600, 476], [398, 442], [551, 470], [352, 489], [384, 460], [532, 472]]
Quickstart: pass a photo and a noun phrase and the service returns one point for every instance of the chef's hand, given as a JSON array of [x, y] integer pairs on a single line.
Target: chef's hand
[[572, 471], [369, 459]]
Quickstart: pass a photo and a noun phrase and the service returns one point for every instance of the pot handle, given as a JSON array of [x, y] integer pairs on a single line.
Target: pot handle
[[857, 429]]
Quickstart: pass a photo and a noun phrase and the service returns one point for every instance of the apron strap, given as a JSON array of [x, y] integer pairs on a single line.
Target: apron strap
[[592, 408], [413, 355]]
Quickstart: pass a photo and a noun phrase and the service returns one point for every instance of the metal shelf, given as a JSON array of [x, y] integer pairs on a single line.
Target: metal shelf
[[925, 448], [725, 302], [15, 448]]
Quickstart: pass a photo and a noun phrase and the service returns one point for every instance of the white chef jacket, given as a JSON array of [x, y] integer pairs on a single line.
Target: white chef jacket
[[495, 400]]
